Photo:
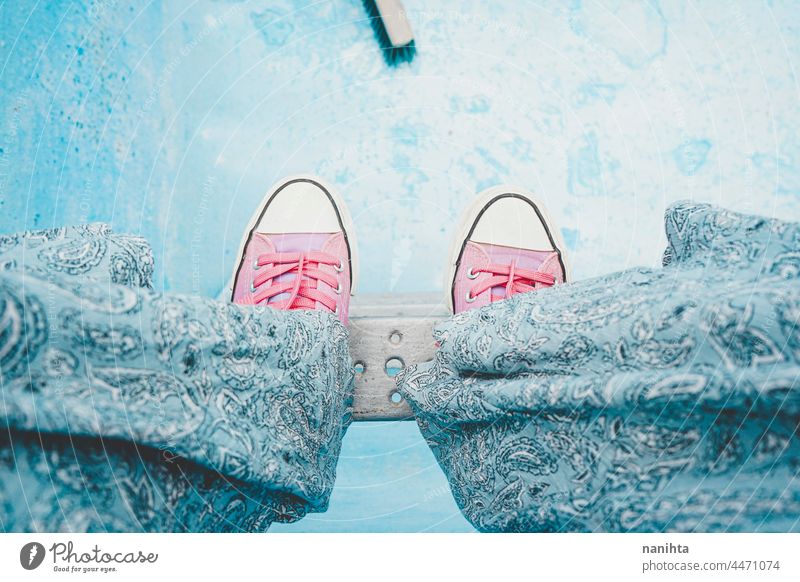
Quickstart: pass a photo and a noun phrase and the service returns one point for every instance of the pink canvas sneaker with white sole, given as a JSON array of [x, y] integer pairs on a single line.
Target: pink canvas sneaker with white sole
[[298, 251], [506, 244]]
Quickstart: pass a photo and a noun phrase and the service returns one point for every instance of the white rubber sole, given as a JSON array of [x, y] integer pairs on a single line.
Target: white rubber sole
[[472, 213], [344, 215]]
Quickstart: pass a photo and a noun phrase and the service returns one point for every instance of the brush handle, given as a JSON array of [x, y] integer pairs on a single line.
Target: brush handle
[[395, 22]]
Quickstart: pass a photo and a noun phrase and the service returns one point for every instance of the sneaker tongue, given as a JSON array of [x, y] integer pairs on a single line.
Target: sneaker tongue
[[525, 258], [293, 243], [297, 242]]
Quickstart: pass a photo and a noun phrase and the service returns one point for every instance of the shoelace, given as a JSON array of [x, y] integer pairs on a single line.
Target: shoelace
[[303, 292], [515, 280]]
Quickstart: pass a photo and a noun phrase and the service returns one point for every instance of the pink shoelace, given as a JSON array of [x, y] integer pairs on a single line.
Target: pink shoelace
[[514, 280], [303, 291]]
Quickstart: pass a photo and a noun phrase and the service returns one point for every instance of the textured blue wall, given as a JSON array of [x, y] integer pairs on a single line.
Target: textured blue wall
[[171, 120]]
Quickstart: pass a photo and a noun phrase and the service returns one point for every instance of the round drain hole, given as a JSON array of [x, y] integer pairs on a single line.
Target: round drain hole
[[394, 366]]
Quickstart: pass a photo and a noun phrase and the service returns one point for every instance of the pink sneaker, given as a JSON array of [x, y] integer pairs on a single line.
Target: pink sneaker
[[298, 251], [505, 245]]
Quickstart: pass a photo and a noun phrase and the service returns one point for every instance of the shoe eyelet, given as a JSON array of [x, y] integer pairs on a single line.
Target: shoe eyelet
[[471, 274], [336, 311], [339, 268], [339, 288], [469, 298], [253, 287], [256, 266]]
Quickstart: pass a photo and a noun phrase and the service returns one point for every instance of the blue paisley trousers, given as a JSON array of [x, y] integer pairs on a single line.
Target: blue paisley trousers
[[647, 400], [128, 410]]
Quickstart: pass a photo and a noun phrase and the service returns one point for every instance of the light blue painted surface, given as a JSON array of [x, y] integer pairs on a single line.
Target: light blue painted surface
[[171, 120]]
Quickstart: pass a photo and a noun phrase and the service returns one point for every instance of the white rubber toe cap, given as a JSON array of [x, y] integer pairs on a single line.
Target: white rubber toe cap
[[512, 222], [300, 206]]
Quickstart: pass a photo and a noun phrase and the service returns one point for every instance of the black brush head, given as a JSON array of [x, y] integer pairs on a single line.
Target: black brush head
[[393, 55]]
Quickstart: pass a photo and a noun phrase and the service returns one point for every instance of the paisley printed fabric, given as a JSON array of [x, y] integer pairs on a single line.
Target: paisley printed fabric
[[128, 410], [647, 400]]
